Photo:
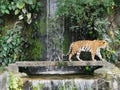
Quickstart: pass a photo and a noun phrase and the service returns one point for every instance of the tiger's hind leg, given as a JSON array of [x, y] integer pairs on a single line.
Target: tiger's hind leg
[[70, 56]]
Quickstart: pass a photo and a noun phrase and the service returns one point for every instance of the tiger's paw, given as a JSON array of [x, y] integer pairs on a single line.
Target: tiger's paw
[[70, 60], [81, 60], [94, 60], [103, 60]]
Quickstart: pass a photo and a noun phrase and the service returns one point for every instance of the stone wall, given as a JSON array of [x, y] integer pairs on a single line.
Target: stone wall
[[4, 81]]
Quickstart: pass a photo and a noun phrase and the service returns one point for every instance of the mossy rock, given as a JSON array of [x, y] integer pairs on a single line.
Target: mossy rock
[[107, 72]]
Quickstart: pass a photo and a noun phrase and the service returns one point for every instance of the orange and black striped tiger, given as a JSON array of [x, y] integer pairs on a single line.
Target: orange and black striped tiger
[[92, 46]]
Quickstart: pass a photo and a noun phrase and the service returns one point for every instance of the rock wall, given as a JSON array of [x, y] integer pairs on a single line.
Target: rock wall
[[4, 81], [110, 73]]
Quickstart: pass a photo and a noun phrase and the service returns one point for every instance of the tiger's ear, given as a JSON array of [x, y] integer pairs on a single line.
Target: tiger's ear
[[104, 41]]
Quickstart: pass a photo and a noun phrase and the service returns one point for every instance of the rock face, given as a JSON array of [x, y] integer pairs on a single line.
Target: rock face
[[4, 81], [111, 74]]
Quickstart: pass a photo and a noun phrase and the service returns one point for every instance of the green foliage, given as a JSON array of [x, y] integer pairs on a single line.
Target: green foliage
[[26, 11], [23, 9], [11, 44], [84, 11], [113, 39], [15, 82], [35, 47]]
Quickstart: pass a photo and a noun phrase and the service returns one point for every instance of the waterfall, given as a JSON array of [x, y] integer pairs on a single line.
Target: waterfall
[[68, 84], [65, 84], [55, 31]]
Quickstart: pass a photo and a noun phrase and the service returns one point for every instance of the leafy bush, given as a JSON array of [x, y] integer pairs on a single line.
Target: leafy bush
[[15, 82], [111, 35], [83, 13], [11, 44], [23, 9]]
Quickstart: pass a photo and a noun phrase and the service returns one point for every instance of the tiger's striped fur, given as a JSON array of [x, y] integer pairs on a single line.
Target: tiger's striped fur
[[92, 46]]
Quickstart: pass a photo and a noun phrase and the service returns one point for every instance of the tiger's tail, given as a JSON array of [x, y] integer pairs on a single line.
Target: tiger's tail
[[69, 50]]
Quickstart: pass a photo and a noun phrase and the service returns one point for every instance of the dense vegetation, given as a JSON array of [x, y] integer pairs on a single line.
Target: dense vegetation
[[16, 15]]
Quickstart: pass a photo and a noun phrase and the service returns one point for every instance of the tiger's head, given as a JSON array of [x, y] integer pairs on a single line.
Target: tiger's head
[[103, 44]]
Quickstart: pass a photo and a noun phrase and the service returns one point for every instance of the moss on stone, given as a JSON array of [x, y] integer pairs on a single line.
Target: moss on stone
[[108, 72], [42, 25], [66, 43], [37, 49]]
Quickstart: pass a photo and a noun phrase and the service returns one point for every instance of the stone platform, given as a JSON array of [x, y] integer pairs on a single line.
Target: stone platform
[[15, 67]]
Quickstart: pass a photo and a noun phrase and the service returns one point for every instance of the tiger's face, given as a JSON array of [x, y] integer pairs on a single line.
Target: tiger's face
[[103, 44]]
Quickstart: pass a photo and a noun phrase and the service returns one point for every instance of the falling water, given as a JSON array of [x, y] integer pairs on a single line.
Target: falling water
[[54, 32], [67, 84]]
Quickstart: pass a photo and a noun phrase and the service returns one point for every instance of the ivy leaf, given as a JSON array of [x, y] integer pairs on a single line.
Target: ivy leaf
[[20, 5], [3, 7], [39, 3], [13, 7], [29, 21], [21, 17], [5, 48], [24, 10], [9, 40], [17, 11], [29, 2], [29, 16], [10, 8]]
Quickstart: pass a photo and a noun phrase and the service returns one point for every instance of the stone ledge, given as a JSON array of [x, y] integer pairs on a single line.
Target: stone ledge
[[61, 63]]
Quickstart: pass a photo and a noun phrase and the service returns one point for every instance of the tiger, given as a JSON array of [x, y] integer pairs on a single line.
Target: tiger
[[92, 46]]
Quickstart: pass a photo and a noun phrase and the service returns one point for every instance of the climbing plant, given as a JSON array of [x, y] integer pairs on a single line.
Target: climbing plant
[[11, 46], [14, 42]]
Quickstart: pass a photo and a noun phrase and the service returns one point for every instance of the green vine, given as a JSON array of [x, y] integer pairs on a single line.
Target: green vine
[[11, 44]]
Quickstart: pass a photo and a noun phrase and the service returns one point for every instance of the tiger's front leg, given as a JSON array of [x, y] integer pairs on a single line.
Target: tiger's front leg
[[100, 56], [78, 55], [93, 56]]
